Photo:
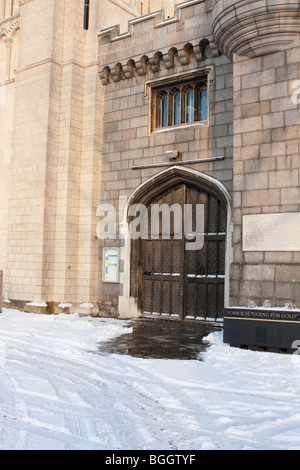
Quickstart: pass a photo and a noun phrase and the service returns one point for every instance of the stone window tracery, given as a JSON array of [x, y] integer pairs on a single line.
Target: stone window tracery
[[181, 103]]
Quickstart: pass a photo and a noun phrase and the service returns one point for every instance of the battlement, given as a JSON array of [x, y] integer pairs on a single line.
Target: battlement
[[151, 40], [112, 34]]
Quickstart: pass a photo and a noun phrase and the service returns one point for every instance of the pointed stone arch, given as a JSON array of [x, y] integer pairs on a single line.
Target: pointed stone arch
[[150, 190], [171, 176]]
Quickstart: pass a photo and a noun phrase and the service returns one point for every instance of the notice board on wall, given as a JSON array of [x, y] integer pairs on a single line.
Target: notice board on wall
[[110, 264]]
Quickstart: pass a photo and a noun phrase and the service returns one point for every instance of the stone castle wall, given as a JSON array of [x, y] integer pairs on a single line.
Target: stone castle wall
[[130, 147]]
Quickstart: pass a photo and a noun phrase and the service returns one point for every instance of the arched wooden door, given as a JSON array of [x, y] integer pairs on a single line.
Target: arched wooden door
[[177, 283]]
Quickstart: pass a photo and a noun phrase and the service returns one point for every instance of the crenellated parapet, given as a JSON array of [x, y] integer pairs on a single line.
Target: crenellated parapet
[[155, 44], [254, 28], [113, 33]]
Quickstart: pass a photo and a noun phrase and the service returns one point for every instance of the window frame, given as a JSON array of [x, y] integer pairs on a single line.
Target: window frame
[[197, 80]]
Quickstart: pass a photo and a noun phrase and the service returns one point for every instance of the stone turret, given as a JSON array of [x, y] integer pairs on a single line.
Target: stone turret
[[255, 28]]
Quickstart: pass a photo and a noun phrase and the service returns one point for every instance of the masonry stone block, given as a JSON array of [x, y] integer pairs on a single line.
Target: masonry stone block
[[72, 130]]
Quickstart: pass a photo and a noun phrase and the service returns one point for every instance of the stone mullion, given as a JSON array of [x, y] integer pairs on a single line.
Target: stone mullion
[[194, 101], [170, 106], [182, 104], [185, 90], [168, 91], [197, 102]]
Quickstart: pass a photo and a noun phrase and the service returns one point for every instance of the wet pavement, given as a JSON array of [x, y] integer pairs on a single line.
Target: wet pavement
[[161, 339]]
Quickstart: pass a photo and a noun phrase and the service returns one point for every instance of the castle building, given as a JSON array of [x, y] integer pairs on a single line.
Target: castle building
[[114, 107]]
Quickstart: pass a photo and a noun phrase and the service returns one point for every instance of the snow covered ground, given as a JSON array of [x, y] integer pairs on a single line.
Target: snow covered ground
[[58, 392]]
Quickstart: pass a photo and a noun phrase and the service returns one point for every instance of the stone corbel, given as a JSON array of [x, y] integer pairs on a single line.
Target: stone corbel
[[155, 61], [141, 67], [215, 52], [129, 69], [185, 55], [104, 75], [117, 73], [145, 66], [202, 50], [198, 54], [203, 46], [169, 58]]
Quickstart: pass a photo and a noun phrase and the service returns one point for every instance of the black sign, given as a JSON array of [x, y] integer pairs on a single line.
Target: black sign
[[261, 314]]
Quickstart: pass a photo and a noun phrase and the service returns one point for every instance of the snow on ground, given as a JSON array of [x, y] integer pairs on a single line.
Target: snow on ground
[[58, 392]]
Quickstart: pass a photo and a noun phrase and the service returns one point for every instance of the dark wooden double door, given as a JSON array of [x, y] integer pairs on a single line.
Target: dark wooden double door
[[177, 283]]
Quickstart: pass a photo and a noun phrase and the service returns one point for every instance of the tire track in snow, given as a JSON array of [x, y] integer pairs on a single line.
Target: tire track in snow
[[8, 405], [69, 404], [56, 393], [137, 419], [63, 377], [138, 405], [199, 422], [176, 410]]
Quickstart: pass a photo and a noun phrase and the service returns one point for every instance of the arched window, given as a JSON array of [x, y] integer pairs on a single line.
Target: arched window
[[184, 102]]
